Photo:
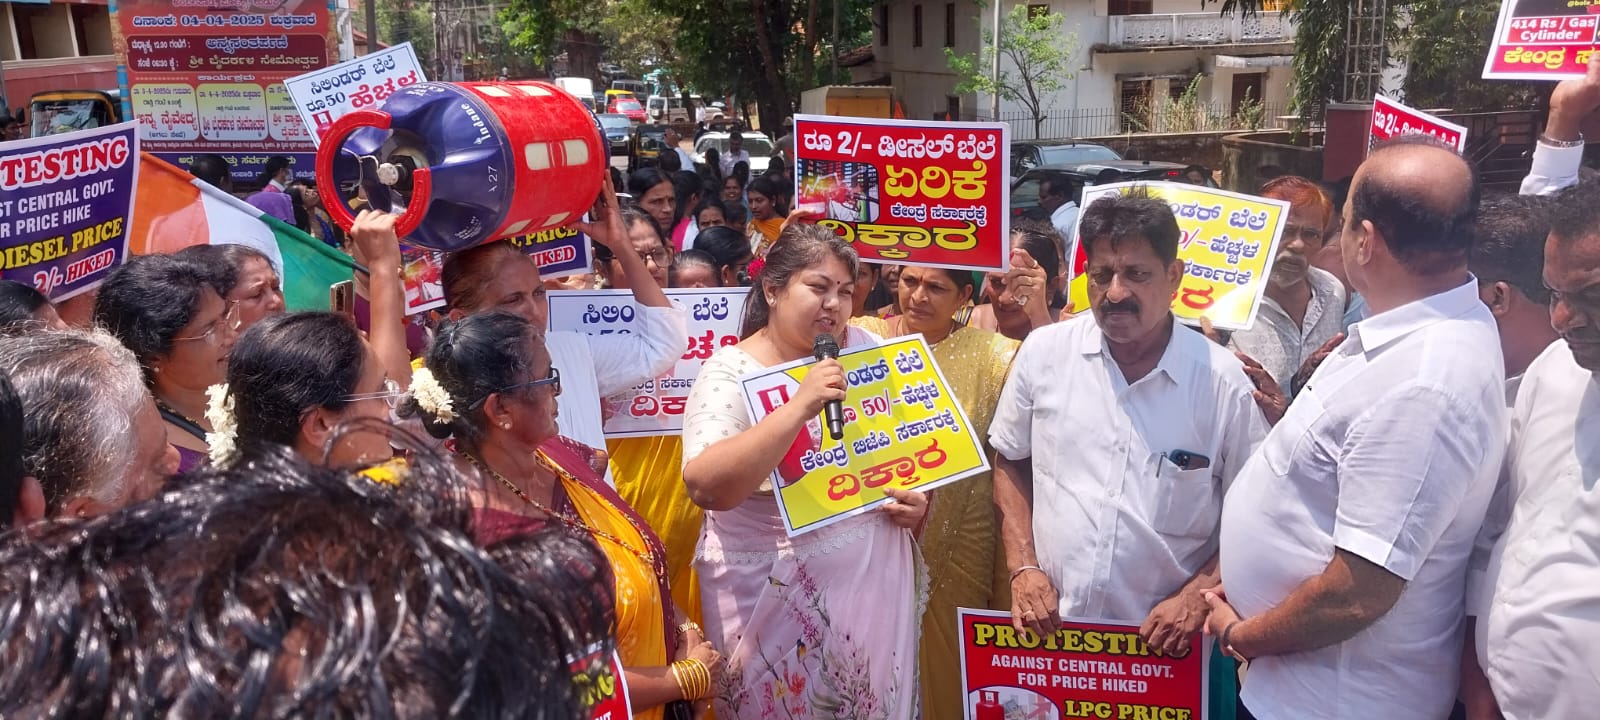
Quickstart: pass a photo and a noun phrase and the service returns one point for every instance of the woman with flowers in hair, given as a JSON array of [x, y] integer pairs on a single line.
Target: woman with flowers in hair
[[310, 381], [489, 384]]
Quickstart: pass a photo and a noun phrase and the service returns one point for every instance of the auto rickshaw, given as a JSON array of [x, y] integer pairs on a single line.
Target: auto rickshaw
[[60, 111]]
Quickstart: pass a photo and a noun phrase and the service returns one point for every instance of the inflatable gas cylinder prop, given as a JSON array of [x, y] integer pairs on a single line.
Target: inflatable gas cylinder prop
[[466, 163]]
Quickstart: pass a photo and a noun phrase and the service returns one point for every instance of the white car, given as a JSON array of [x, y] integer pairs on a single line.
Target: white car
[[758, 145]]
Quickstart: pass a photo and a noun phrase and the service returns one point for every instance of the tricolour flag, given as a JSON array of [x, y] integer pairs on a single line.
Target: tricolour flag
[[173, 210]]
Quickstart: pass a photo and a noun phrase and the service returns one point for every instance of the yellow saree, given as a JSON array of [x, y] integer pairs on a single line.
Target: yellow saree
[[649, 476], [960, 542]]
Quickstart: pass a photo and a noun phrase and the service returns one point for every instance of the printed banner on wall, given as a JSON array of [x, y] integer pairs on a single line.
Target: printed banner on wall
[[910, 192], [1542, 40], [1391, 120], [323, 96], [902, 429], [654, 407], [1088, 669], [208, 77], [1228, 244], [66, 203]]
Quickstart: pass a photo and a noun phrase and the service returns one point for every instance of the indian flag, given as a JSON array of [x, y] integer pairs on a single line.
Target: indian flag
[[174, 210]]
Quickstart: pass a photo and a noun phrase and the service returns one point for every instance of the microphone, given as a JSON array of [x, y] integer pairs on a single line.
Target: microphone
[[824, 346]]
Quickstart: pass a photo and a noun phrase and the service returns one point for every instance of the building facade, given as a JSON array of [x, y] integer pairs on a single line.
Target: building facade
[[54, 45], [1132, 59]]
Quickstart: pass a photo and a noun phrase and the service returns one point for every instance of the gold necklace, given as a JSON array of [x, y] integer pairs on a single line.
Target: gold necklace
[[649, 558]]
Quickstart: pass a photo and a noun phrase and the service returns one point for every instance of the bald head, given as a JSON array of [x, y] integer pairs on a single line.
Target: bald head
[[1422, 199]]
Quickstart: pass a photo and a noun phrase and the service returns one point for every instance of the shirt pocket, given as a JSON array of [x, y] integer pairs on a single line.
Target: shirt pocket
[[1188, 505], [1292, 432]]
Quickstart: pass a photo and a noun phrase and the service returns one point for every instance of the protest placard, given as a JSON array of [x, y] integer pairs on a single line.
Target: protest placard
[[559, 252], [1391, 119], [654, 407], [205, 77], [910, 192], [602, 685], [902, 429], [1088, 669], [1228, 244], [422, 274], [323, 96], [66, 203], [1541, 40]]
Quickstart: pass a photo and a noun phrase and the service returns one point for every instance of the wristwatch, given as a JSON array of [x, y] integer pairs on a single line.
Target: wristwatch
[[1552, 142]]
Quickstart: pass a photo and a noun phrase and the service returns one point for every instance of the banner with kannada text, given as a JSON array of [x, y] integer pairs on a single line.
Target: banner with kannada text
[[66, 206], [323, 96], [1228, 244], [902, 429], [1089, 669], [603, 686], [1542, 40], [207, 76], [654, 407], [910, 192], [1391, 120]]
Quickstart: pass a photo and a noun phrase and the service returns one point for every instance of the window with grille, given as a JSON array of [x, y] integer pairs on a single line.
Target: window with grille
[[1129, 7], [949, 25]]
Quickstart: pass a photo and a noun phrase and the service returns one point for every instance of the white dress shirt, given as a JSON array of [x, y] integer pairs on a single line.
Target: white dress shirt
[[1279, 343], [685, 160], [730, 158], [597, 366], [1539, 633], [1553, 169], [1390, 453], [1116, 525], [1065, 219]]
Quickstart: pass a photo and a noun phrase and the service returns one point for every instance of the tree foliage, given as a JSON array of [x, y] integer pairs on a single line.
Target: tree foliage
[[1444, 47], [1035, 62]]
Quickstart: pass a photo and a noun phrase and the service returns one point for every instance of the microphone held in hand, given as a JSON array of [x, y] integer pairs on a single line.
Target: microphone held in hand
[[824, 346]]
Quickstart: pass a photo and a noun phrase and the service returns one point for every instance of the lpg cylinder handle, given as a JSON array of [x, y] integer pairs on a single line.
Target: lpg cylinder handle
[[333, 142]]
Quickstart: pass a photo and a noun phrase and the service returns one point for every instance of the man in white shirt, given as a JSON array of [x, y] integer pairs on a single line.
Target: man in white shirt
[[735, 153], [675, 141], [1345, 540], [1055, 197], [1538, 629], [1117, 434], [1508, 260], [1304, 305]]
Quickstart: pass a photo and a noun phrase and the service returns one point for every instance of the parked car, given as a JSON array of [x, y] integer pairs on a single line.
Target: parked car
[[759, 146], [1029, 154], [626, 105], [1025, 191], [616, 127], [645, 146], [663, 108]]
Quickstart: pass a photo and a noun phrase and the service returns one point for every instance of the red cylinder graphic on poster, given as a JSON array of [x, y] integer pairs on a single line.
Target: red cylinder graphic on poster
[[1088, 669], [207, 77], [917, 193]]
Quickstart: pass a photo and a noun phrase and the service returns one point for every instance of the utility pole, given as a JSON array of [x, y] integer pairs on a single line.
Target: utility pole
[[372, 27], [994, 68], [835, 77]]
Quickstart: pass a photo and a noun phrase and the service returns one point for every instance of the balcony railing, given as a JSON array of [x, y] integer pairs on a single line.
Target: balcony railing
[[1182, 29]]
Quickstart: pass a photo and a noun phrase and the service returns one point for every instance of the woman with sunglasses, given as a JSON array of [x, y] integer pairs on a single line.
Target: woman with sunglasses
[[170, 311], [310, 381], [490, 384]]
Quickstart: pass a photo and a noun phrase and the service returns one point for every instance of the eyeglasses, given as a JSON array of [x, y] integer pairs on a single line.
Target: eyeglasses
[[659, 255], [230, 319], [390, 394], [554, 379]]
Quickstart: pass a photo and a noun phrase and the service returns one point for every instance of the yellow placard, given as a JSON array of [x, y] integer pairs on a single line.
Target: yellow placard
[[1228, 244], [903, 429]]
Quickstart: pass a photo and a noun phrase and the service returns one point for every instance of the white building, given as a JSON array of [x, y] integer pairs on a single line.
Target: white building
[[1128, 54]]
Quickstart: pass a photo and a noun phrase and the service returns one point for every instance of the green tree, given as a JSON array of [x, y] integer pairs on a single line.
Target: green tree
[[1036, 61], [544, 29], [1444, 46], [398, 22]]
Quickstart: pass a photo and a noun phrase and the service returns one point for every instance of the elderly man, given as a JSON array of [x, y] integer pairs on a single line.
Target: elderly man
[[1345, 541], [1537, 608], [1304, 305], [92, 437], [1117, 435]]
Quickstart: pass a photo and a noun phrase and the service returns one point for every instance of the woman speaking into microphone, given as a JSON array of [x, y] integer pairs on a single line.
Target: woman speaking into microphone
[[826, 620]]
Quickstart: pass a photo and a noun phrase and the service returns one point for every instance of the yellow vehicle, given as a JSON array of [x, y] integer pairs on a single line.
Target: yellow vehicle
[[60, 111]]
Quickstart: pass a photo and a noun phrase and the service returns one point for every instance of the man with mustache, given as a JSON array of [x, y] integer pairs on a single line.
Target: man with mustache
[[1537, 603], [1345, 540], [1117, 435]]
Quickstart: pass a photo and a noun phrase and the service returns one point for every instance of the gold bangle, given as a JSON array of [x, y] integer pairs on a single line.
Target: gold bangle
[[683, 686], [699, 679]]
